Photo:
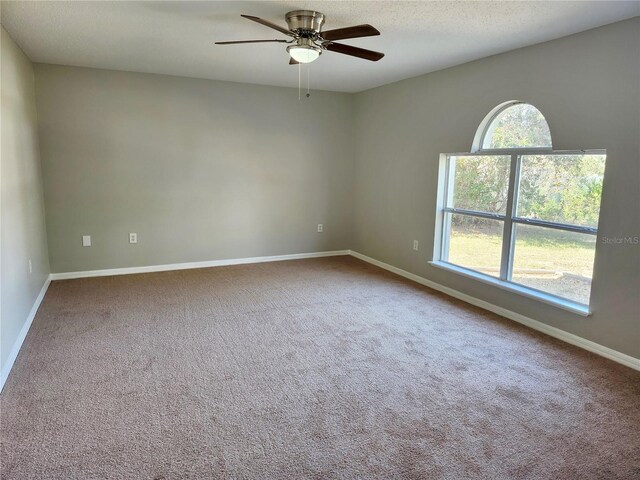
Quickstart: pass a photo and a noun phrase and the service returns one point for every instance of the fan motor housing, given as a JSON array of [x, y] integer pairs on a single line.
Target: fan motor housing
[[307, 23]]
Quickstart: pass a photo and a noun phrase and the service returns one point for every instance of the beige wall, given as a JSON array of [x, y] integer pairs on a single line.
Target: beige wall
[[587, 86], [22, 230], [199, 169]]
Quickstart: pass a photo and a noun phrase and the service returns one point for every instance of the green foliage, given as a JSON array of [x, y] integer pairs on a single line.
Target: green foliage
[[564, 189], [481, 183], [521, 125], [556, 188]]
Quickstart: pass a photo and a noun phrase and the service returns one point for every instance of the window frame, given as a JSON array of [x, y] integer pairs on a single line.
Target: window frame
[[444, 213]]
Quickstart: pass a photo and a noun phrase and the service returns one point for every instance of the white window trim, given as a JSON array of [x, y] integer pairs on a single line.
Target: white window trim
[[506, 262]]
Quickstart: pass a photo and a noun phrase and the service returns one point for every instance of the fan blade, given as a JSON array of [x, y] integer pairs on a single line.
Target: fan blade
[[350, 32], [292, 61], [250, 41], [268, 24], [354, 51]]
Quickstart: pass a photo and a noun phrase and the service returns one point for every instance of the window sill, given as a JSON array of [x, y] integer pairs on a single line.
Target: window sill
[[568, 305]]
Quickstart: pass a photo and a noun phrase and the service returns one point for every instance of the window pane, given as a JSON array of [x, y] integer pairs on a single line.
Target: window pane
[[475, 243], [521, 125], [480, 182], [561, 188], [554, 261]]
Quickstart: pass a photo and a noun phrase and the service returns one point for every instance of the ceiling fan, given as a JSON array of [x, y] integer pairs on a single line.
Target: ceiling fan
[[309, 41]]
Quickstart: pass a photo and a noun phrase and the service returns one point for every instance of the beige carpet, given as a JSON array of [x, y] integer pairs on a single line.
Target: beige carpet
[[326, 368]]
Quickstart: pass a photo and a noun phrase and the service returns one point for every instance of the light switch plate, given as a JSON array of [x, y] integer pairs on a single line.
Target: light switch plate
[[86, 240]]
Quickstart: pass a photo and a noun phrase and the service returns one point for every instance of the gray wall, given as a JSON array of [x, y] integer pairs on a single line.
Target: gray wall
[[22, 224], [587, 86], [206, 170], [199, 169]]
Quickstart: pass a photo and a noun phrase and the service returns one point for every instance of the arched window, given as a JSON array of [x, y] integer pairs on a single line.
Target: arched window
[[513, 124], [515, 213]]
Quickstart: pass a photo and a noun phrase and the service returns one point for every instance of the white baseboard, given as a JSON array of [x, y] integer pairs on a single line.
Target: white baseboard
[[186, 266], [23, 334], [601, 350]]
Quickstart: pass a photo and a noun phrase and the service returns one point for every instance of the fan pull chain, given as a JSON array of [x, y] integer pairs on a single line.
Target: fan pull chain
[[308, 69], [299, 73]]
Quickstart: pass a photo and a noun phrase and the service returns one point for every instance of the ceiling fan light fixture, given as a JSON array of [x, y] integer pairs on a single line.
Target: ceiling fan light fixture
[[304, 53]]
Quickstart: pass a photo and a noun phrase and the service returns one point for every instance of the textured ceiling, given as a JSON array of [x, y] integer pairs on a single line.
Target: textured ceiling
[[177, 37]]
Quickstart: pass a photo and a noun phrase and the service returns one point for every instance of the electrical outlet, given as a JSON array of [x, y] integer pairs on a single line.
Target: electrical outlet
[[30, 267], [320, 228], [415, 245], [133, 238], [86, 240]]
